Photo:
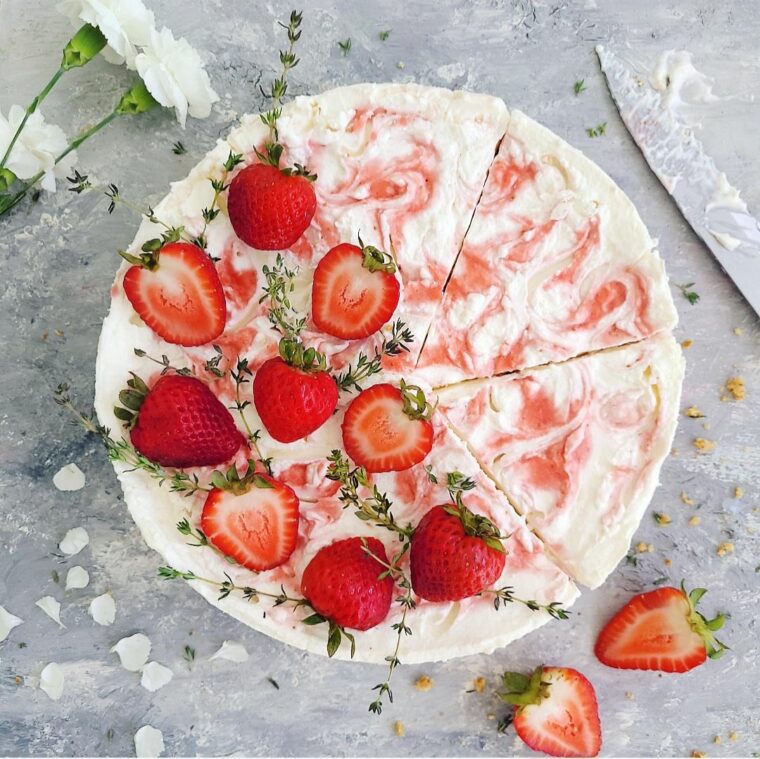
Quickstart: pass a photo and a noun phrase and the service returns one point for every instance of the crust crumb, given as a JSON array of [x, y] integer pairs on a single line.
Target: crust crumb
[[736, 387], [738, 331], [698, 754], [662, 519], [693, 412], [630, 695], [703, 445], [717, 740], [399, 729], [423, 683], [694, 521], [725, 548], [668, 562], [479, 684], [738, 492], [686, 344], [685, 498], [733, 736]]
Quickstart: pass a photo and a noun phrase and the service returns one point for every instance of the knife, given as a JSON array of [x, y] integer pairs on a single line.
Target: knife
[[708, 202]]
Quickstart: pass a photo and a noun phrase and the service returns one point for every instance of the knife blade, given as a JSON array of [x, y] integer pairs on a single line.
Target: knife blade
[[706, 199]]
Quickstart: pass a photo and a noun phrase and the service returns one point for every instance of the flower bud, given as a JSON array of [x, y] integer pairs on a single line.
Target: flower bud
[[83, 47], [7, 178], [136, 100]]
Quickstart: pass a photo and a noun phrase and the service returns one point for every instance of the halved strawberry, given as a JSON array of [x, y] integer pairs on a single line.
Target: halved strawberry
[[555, 711], [176, 291], [354, 292], [387, 429], [660, 630], [253, 519]]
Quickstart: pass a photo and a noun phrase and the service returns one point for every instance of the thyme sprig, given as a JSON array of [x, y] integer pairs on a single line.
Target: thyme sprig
[[165, 363], [407, 602], [219, 185], [688, 293], [505, 595], [242, 375], [185, 528], [400, 339], [121, 450], [375, 508], [280, 284], [227, 587], [272, 147]]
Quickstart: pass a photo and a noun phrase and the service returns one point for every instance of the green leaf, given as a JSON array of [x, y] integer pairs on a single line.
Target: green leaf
[[333, 639], [313, 619]]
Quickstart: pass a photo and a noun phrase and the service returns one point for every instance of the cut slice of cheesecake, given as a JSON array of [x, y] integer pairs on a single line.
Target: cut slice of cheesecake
[[557, 263], [578, 446]]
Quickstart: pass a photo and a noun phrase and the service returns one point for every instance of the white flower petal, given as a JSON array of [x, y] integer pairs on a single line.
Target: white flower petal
[[7, 622], [74, 541], [51, 680], [174, 74], [103, 609], [125, 24], [149, 742], [133, 651], [232, 652], [51, 607], [69, 477], [155, 676], [77, 577]]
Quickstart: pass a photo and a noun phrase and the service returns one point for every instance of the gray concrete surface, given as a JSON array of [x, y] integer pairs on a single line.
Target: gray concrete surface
[[58, 258]]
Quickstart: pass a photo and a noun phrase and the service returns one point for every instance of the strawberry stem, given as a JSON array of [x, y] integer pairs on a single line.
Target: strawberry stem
[[702, 626], [415, 405], [521, 690], [374, 259]]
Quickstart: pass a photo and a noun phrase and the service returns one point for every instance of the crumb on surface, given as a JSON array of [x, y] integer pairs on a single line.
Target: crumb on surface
[[399, 729], [686, 344], [479, 684], [698, 754], [668, 562], [717, 740], [685, 498], [738, 331], [423, 683], [703, 445], [693, 412], [19, 680], [662, 519], [706, 426], [694, 521], [490, 716], [738, 492], [630, 695], [735, 386], [733, 736], [725, 548]]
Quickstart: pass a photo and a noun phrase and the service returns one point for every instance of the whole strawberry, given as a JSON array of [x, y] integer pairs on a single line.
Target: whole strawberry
[[269, 207], [293, 393], [342, 583], [454, 554], [178, 422]]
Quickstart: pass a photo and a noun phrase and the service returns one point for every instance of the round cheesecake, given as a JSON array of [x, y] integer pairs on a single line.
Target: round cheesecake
[[541, 318]]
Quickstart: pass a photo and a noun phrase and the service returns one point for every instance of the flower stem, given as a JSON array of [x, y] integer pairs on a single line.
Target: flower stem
[[30, 110]]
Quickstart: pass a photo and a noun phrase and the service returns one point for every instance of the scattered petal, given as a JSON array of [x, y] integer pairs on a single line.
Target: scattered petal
[[51, 607], [174, 75], [69, 477], [149, 742], [133, 651], [232, 652], [103, 609], [77, 577], [155, 676], [51, 680], [74, 541], [7, 622]]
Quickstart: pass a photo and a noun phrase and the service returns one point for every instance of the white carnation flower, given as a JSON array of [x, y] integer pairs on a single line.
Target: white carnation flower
[[36, 148], [126, 24], [173, 73]]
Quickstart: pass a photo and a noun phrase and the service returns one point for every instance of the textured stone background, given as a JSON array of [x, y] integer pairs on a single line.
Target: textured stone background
[[58, 258]]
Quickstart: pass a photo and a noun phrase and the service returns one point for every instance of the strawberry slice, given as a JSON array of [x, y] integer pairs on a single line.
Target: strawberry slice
[[555, 711], [387, 429], [660, 630], [354, 292], [253, 519], [176, 291]]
